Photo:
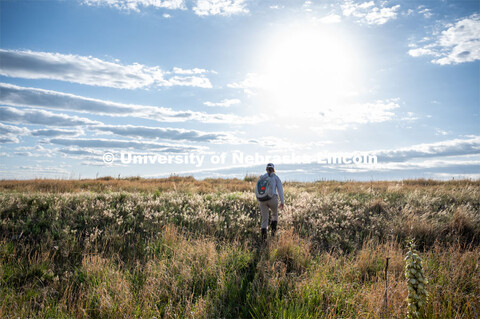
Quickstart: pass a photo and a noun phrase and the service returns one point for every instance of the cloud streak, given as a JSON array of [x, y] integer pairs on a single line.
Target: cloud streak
[[13, 95], [360, 113], [57, 132], [161, 133], [10, 133], [454, 147], [41, 117], [223, 103], [88, 70], [122, 144]]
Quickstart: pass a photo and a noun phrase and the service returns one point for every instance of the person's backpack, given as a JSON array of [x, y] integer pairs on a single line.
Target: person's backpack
[[264, 188]]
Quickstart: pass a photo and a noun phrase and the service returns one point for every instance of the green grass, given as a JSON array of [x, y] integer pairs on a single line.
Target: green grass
[[197, 254]]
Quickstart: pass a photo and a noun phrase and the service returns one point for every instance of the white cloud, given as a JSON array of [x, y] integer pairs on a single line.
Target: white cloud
[[135, 5], [38, 151], [32, 148], [189, 71], [30, 154], [57, 132], [122, 144], [92, 71], [29, 116], [454, 147], [161, 133], [422, 51], [201, 8], [306, 6], [459, 43], [10, 133], [34, 171], [441, 132], [332, 18], [223, 103], [80, 151], [220, 7], [382, 15], [11, 129], [197, 81], [374, 112], [368, 12], [24, 96], [427, 13], [446, 176], [251, 82], [345, 116], [418, 166]]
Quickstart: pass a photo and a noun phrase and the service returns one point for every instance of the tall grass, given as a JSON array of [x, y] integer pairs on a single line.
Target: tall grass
[[197, 254]]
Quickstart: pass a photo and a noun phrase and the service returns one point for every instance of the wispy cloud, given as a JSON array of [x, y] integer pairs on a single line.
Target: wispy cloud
[[189, 71], [201, 7], [417, 167], [454, 147], [458, 176], [86, 154], [11, 129], [32, 97], [42, 117], [251, 82], [369, 12], [331, 18], [136, 5], [10, 133], [362, 113], [89, 152], [92, 71], [223, 103], [122, 144], [34, 171], [220, 7], [161, 133], [459, 43], [342, 117], [57, 132], [427, 13], [307, 6], [34, 151]]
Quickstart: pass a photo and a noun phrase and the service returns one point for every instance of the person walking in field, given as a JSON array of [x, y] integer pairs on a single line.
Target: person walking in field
[[269, 188]]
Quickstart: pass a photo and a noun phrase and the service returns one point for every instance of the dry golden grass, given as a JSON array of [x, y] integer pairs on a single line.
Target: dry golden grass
[[211, 185], [110, 184]]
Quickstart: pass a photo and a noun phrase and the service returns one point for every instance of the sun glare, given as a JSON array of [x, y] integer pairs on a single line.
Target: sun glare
[[308, 69]]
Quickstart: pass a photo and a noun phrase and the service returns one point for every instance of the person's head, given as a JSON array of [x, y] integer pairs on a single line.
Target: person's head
[[270, 168]]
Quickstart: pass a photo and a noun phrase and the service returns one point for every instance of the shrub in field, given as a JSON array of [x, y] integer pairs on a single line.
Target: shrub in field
[[416, 281]]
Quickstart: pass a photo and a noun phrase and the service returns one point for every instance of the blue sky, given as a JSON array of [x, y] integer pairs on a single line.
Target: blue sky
[[217, 88]]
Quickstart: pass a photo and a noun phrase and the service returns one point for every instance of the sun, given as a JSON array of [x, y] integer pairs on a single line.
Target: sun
[[308, 68]]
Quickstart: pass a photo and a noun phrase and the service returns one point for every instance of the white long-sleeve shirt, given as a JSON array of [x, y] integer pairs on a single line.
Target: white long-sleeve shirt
[[277, 185]]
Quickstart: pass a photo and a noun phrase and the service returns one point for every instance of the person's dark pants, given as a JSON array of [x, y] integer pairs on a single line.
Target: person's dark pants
[[264, 207]]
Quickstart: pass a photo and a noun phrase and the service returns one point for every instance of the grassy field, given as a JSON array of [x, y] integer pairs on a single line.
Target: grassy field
[[182, 248]]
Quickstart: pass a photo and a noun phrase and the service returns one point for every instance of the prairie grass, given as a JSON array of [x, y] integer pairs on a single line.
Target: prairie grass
[[181, 248]]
